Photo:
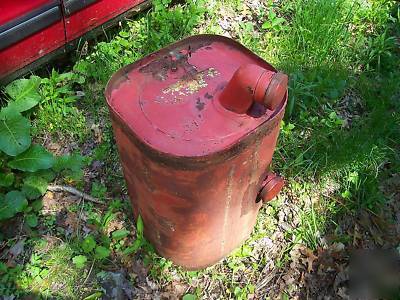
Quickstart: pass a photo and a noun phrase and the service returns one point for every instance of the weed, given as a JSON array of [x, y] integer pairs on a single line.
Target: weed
[[57, 114], [309, 231], [274, 22], [379, 49], [243, 293], [26, 169], [140, 241], [50, 272], [98, 190]]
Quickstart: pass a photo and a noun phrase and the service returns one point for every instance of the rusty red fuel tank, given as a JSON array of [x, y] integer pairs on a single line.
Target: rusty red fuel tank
[[196, 125]]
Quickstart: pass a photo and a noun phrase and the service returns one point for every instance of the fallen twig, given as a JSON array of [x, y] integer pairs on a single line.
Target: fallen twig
[[90, 272], [73, 191]]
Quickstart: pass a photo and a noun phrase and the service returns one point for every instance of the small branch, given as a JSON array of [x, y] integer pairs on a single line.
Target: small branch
[[90, 272], [73, 191]]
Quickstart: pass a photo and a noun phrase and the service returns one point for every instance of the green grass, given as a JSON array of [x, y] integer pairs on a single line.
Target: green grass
[[50, 272], [318, 35], [328, 48], [58, 116]]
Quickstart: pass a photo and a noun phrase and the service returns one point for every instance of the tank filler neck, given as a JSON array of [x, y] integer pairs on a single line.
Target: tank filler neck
[[252, 83]]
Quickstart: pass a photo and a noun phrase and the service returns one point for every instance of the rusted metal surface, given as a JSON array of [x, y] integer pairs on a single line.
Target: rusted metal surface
[[194, 169], [271, 186], [252, 84]]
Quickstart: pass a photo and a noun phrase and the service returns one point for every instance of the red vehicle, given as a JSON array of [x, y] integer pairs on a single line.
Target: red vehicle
[[33, 31]]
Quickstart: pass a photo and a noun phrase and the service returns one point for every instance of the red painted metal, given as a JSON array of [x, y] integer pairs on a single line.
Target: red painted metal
[[252, 83], [32, 48], [55, 36], [194, 168], [12, 9], [271, 187], [94, 15]]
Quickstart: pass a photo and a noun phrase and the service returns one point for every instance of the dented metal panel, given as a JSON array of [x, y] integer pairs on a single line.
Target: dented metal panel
[[194, 169]]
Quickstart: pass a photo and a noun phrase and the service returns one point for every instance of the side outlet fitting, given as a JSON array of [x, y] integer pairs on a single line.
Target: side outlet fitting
[[251, 83], [270, 187]]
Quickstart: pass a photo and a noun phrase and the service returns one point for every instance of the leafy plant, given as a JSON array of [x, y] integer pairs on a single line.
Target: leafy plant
[[189, 297], [274, 22], [58, 115], [90, 247], [26, 169], [242, 293], [168, 25], [98, 189], [88, 244], [49, 271], [79, 261], [101, 252], [32, 220], [378, 49], [140, 240], [120, 234]]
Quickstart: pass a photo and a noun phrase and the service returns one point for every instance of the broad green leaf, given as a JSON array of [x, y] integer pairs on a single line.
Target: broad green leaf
[[277, 21], [34, 186], [88, 244], [14, 107], [137, 244], [101, 252], [23, 88], [15, 135], [17, 200], [73, 162], [333, 115], [3, 268], [35, 158], [7, 180], [31, 220], [13, 203], [46, 174], [61, 162], [37, 205], [266, 25], [8, 111], [71, 165], [79, 261], [24, 96], [5, 211], [120, 234], [285, 297], [124, 34], [189, 297]]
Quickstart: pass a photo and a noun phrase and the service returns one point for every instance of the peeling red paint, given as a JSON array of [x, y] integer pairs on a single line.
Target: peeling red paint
[[193, 168]]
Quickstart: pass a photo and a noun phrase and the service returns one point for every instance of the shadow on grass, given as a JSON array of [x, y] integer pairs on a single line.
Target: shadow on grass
[[41, 262], [350, 164]]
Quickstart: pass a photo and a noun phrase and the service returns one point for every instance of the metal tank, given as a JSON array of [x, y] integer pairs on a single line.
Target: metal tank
[[196, 125]]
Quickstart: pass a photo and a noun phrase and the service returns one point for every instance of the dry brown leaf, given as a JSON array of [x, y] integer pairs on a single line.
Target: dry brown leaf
[[98, 134], [310, 258], [72, 221]]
